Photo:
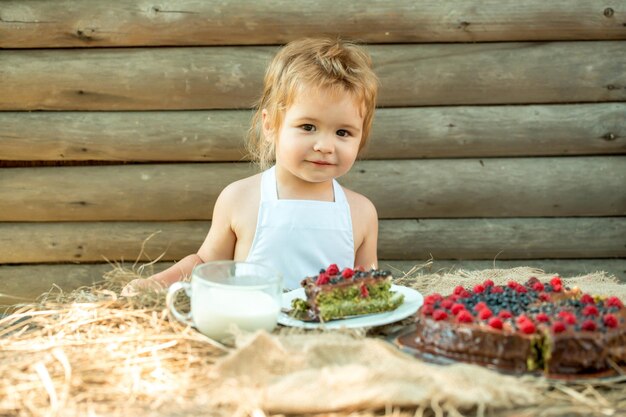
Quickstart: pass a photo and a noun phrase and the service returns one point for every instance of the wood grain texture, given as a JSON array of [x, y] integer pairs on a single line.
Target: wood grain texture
[[398, 133], [515, 238], [438, 188], [24, 283], [230, 77], [65, 23]]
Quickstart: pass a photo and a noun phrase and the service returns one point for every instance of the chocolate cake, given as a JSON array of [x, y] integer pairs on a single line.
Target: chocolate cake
[[336, 294], [524, 327]]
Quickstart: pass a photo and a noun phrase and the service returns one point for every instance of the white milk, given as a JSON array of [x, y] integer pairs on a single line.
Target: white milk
[[215, 309]]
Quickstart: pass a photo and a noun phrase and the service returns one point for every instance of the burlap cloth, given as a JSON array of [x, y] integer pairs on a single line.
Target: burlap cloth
[[94, 353]]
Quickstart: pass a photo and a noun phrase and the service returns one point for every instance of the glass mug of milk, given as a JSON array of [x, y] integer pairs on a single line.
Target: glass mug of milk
[[224, 293]]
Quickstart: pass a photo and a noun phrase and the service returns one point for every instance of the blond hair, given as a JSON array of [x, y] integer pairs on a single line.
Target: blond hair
[[322, 63]]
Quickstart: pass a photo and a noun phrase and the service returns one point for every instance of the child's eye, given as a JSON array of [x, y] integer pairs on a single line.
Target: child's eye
[[343, 133], [308, 127]]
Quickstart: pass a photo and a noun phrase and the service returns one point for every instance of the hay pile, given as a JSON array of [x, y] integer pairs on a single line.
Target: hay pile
[[93, 353]]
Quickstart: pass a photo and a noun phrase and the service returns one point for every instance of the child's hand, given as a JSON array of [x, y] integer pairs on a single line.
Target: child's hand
[[140, 285]]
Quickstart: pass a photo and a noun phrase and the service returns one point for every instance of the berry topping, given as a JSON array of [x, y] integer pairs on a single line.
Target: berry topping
[[556, 281], [479, 289], [447, 303], [485, 313], [532, 281], [610, 320], [538, 286], [512, 284], [557, 287], [505, 314], [542, 317], [522, 319], [458, 289], [456, 308], [614, 302], [488, 283], [521, 289], [464, 316], [465, 294], [558, 327], [347, 273], [480, 305], [427, 309], [589, 325], [527, 327], [322, 279], [590, 310], [568, 317], [440, 315], [364, 292], [432, 298], [587, 299], [544, 296], [496, 289], [333, 269], [495, 322]]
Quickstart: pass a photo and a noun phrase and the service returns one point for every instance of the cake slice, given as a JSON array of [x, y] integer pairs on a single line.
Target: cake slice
[[337, 294]]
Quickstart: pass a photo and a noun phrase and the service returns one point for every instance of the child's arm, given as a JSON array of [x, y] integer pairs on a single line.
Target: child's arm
[[365, 229], [218, 245]]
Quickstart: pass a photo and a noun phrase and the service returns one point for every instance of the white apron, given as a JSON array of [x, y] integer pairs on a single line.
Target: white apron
[[300, 237]]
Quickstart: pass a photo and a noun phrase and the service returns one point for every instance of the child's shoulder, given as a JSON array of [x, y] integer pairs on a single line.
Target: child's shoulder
[[359, 203], [242, 190]]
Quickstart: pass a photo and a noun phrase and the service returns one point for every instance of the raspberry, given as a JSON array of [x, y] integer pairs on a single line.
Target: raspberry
[[568, 317], [587, 299], [538, 286], [333, 269], [485, 313], [322, 279], [464, 317], [440, 315], [480, 305], [495, 322], [364, 292], [427, 309], [558, 327], [589, 325], [505, 314], [557, 287], [465, 294], [458, 289], [488, 283], [542, 317], [432, 298], [522, 319], [479, 289], [610, 320], [496, 289], [521, 289], [532, 281], [613, 302], [590, 310], [512, 284], [543, 296], [347, 273], [456, 308], [527, 327], [556, 281], [447, 303]]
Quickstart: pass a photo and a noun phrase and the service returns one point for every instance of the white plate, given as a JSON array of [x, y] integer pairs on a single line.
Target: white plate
[[412, 301]]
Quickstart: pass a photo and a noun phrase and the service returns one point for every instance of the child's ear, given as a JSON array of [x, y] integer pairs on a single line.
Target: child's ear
[[268, 131]]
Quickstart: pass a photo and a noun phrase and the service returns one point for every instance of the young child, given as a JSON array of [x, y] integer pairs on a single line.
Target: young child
[[313, 119]]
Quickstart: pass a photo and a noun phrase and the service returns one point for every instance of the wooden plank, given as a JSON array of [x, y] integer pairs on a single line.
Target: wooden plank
[[24, 283], [36, 24], [398, 133], [230, 77], [496, 187], [515, 238]]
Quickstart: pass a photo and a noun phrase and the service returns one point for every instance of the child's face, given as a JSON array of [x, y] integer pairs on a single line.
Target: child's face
[[320, 135]]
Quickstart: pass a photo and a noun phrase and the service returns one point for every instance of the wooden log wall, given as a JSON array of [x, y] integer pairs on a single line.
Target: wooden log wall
[[499, 140]]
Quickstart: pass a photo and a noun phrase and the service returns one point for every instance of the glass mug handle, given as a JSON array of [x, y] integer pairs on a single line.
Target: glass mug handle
[[169, 301]]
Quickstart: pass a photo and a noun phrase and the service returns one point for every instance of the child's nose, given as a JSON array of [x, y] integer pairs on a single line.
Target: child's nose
[[325, 143]]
